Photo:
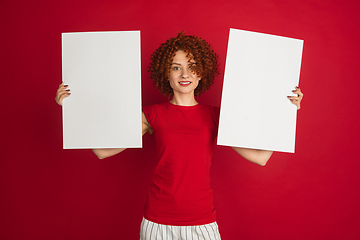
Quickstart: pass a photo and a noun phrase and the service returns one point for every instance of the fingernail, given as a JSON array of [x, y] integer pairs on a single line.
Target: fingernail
[[66, 85], [67, 89], [293, 90]]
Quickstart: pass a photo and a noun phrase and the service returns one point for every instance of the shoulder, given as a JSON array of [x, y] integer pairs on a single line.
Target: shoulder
[[154, 107], [151, 111], [212, 109], [149, 107]]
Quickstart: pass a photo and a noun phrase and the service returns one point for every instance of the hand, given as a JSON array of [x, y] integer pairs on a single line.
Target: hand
[[62, 93], [296, 100]]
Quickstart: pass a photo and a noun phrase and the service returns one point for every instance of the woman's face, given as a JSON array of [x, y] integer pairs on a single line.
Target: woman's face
[[183, 79]]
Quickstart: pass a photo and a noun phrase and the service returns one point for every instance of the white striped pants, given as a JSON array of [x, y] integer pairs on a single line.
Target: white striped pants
[[154, 231]]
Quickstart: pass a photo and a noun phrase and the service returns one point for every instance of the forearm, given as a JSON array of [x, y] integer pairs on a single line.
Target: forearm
[[254, 155], [102, 153]]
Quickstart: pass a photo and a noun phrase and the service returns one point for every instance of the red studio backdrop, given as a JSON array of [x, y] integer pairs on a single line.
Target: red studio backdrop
[[50, 193]]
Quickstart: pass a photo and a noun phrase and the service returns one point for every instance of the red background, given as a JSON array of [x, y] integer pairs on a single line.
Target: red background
[[51, 193]]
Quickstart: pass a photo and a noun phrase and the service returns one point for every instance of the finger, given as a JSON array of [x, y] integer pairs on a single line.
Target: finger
[[295, 98], [300, 94], [296, 102], [62, 89], [61, 92], [298, 91], [59, 97], [62, 86]]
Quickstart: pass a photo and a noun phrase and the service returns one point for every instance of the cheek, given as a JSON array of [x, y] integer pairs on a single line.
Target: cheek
[[173, 75], [171, 78], [171, 81]]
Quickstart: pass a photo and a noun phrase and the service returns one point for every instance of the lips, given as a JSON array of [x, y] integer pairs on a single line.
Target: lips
[[185, 83]]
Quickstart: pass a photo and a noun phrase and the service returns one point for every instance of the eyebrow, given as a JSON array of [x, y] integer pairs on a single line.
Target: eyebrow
[[190, 63]]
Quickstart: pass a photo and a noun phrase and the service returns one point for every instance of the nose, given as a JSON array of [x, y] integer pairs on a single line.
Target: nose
[[185, 73]]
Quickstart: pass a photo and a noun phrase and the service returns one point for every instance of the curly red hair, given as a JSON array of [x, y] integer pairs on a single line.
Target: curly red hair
[[196, 48]]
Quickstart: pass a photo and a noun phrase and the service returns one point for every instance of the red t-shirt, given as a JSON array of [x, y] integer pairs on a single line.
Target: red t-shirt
[[180, 192]]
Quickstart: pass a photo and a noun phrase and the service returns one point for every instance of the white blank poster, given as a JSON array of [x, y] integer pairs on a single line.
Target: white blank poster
[[103, 72], [261, 71]]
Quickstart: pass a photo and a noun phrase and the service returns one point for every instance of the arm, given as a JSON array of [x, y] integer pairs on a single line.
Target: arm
[[259, 157], [101, 153], [262, 156]]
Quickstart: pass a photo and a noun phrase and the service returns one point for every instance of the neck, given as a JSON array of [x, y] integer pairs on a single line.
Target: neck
[[183, 100]]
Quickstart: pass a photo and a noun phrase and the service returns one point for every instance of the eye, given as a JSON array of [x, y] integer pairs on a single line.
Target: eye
[[176, 68], [192, 67]]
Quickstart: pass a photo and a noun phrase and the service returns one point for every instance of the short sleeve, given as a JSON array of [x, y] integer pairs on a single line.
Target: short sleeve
[[215, 113], [150, 113]]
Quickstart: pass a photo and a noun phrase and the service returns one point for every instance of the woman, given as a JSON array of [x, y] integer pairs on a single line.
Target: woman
[[180, 200]]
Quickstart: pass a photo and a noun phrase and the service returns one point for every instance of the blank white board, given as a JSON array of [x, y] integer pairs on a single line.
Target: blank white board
[[103, 72], [261, 71]]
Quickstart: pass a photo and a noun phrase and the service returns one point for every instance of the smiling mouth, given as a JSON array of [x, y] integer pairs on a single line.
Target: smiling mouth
[[185, 83]]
